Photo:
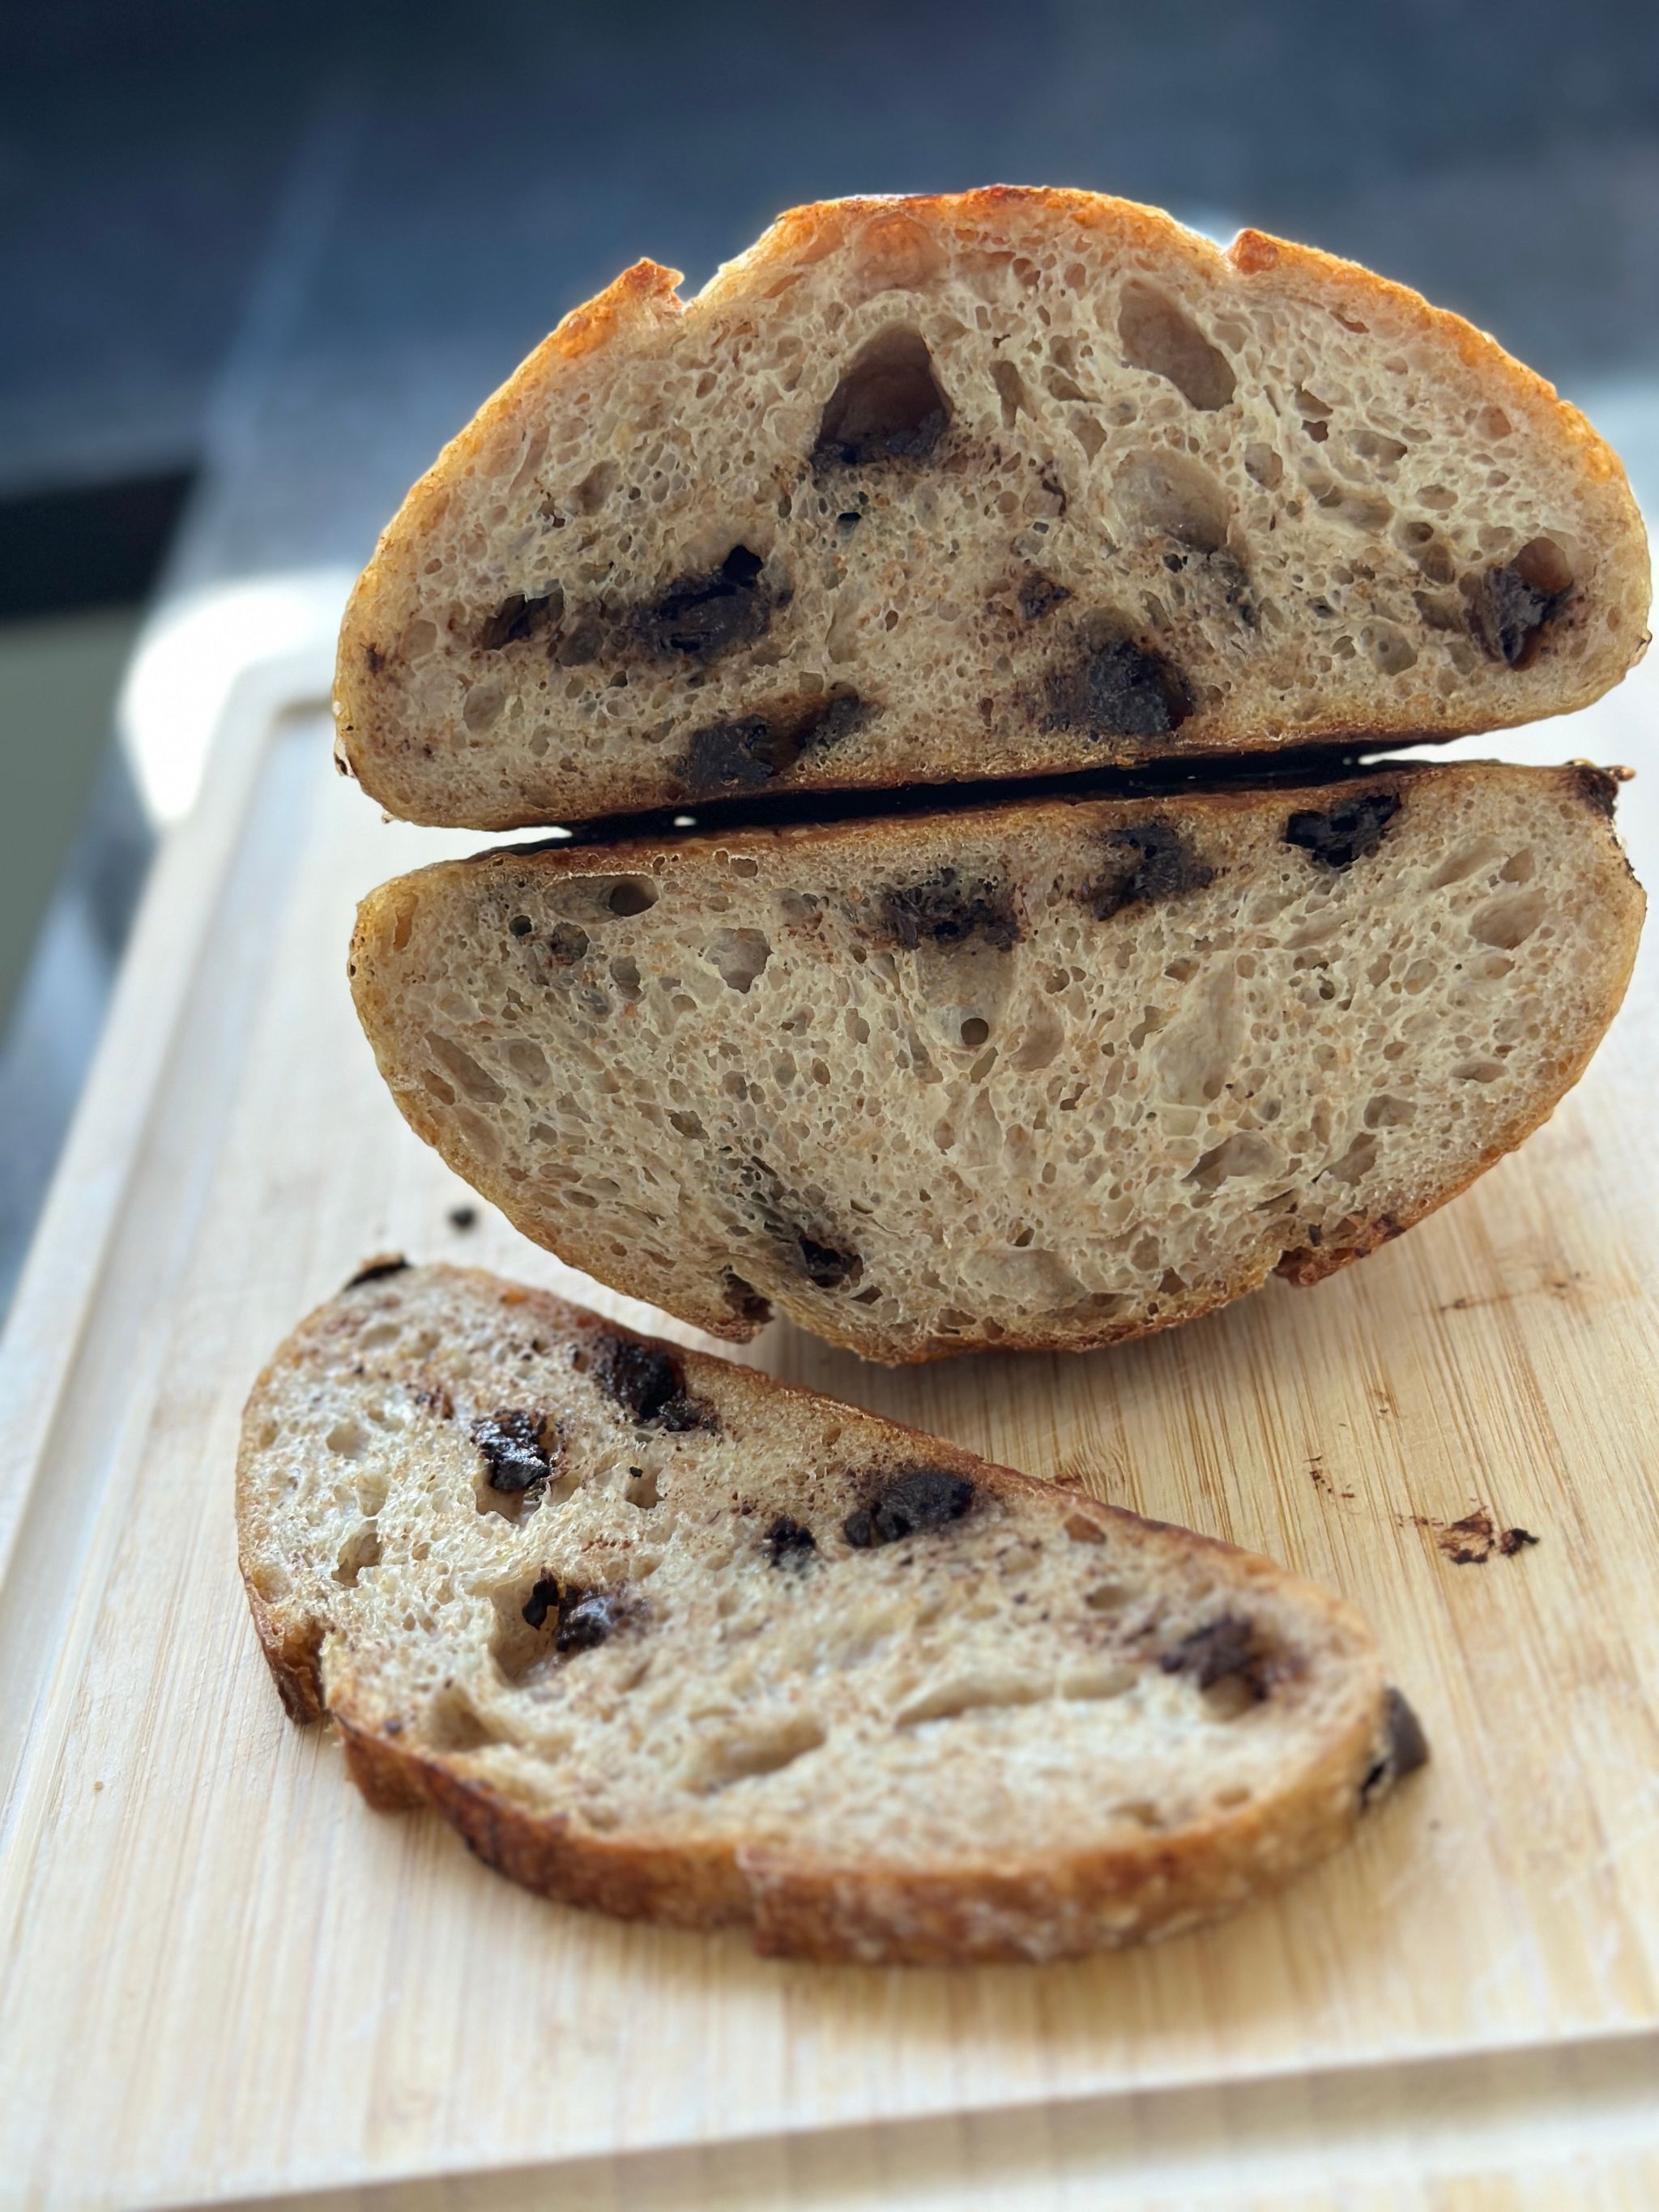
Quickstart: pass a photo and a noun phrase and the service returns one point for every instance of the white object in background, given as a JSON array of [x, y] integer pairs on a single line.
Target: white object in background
[[275, 634]]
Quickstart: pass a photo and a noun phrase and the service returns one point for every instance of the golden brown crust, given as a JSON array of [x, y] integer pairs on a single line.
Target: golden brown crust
[[643, 307], [1044, 1905], [854, 1912]]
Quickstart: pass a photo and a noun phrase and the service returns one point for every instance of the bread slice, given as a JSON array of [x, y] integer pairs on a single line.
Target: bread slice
[[1049, 1074], [662, 1636], [981, 485]]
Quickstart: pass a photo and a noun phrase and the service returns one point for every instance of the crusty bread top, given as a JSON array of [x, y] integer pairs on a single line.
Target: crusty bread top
[[1047, 1074], [986, 484], [663, 1635]]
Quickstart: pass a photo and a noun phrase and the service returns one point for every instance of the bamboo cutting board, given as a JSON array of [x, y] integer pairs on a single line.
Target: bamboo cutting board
[[225, 1978]]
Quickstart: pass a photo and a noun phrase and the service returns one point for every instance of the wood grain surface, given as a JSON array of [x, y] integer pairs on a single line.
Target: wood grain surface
[[225, 1979]]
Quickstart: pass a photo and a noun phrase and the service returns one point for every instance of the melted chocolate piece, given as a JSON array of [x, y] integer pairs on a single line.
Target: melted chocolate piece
[[826, 1266], [1151, 860], [1223, 1647], [921, 1497], [648, 1385], [511, 1443], [1040, 595], [1405, 1748], [727, 759], [1116, 688], [582, 1618], [807, 1243], [1352, 830], [586, 1618], [375, 1271], [789, 1544], [702, 617], [542, 1600], [1508, 616], [947, 908]]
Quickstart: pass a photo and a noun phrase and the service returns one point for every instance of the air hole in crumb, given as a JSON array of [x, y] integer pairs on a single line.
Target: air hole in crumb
[[630, 895], [1108, 1597], [887, 406], [1509, 921], [360, 1549], [1011, 389], [1159, 336], [452, 1724], [1163, 493], [738, 955], [1229, 1698], [746, 1758]]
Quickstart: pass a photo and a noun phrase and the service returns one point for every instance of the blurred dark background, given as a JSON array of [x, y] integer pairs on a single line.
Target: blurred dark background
[[258, 259]]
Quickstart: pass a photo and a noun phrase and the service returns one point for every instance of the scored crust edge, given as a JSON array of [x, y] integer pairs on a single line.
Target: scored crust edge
[[647, 294], [1043, 1907]]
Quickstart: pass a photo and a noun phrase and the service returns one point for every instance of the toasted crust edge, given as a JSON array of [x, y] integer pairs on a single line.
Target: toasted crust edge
[[1044, 1907]]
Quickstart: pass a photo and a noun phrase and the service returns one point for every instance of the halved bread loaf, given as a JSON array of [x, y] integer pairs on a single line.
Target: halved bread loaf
[[980, 486], [662, 1636], [1050, 1073]]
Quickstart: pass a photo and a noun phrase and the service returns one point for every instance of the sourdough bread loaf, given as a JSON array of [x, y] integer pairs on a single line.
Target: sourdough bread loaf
[[1042, 1074], [980, 485], [661, 1636]]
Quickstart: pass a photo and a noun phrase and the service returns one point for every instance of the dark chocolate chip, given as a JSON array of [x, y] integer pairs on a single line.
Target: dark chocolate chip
[[1116, 688], [804, 1241], [703, 616], [1598, 788], [1405, 1748], [887, 407], [827, 1266], [648, 1384], [521, 925], [1516, 1539], [921, 1497], [727, 760], [463, 1217], [375, 1271], [542, 1600], [1040, 595], [511, 1443], [585, 1618], [1507, 615], [1147, 861], [841, 714], [948, 908], [1350, 831], [374, 658], [789, 1544], [1223, 1647], [517, 618]]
